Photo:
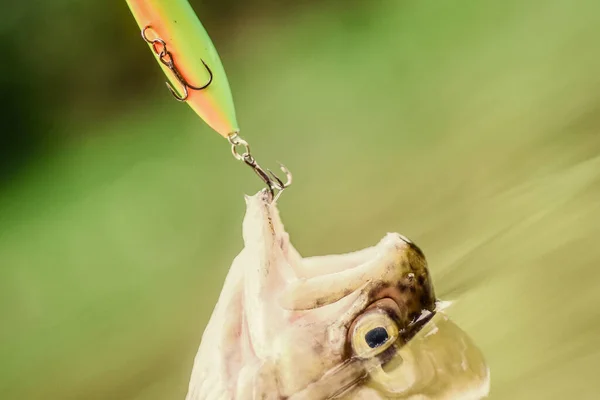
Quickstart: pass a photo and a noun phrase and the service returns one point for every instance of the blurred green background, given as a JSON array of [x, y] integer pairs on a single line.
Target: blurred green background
[[470, 126]]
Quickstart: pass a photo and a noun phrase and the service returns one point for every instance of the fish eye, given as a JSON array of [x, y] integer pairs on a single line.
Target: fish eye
[[372, 333], [376, 337]]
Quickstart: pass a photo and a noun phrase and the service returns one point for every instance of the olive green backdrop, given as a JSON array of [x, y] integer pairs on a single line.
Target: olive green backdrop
[[470, 126]]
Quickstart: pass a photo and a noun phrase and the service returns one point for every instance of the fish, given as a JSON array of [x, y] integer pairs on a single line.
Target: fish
[[362, 325]]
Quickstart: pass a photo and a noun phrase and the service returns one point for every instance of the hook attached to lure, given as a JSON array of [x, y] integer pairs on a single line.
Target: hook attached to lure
[[186, 54], [164, 55], [274, 184]]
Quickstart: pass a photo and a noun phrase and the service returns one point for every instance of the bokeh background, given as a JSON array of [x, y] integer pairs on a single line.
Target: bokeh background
[[470, 126]]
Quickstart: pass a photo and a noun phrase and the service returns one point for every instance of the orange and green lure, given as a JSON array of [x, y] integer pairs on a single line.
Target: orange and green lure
[[188, 57]]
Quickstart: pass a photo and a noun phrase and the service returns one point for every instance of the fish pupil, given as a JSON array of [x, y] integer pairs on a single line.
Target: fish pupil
[[376, 337]]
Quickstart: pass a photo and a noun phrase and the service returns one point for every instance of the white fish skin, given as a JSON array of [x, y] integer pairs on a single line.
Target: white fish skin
[[280, 328]]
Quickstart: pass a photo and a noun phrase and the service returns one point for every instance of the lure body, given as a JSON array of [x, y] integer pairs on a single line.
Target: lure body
[[194, 57]]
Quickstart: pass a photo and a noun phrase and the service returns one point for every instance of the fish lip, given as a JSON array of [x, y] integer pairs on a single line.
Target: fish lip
[[414, 327]]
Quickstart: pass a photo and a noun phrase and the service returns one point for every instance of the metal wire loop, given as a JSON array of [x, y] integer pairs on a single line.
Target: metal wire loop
[[159, 46], [275, 185], [237, 142]]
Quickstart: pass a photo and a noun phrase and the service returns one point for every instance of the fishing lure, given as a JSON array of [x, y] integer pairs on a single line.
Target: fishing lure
[[187, 56]]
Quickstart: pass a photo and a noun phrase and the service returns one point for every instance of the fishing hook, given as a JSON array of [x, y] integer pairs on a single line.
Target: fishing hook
[[166, 58], [274, 183]]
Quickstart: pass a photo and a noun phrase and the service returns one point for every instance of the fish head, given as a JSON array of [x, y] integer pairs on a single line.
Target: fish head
[[362, 325]]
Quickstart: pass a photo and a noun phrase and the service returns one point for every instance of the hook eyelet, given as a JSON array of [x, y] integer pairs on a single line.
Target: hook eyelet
[[275, 186]]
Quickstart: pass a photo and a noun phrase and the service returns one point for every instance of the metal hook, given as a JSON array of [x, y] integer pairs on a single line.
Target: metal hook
[[184, 84], [166, 58], [274, 183]]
